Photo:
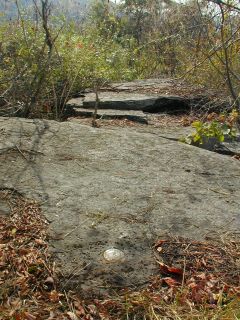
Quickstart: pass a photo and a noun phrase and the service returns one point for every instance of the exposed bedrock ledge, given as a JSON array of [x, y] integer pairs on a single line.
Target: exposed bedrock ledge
[[137, 102], [117, 187]]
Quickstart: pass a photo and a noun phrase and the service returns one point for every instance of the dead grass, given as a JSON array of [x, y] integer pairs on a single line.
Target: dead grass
[[197, 280]]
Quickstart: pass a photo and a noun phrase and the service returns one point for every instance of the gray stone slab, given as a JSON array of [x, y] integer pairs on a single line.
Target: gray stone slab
[[144, 84], [233, 145], [132, 115], [114, 100], [150, 95], [230, 146], [121, 188], [132, 101]]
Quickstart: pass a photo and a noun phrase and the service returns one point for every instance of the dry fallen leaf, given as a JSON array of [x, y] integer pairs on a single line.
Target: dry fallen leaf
[[49, 280], [29, 316], [159, 243], [165, 269], [40, 242], [54, 296], [72, 316], [171, 282]]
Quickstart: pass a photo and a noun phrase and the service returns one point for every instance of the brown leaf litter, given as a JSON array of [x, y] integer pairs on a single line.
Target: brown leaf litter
[[196, 280]]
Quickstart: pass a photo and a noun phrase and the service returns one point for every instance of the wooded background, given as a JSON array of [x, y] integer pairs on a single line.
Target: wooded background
[[49, 52]]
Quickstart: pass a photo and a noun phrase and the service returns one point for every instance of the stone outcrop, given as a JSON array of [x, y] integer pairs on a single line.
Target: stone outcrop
[[148, 96], [117, 188]]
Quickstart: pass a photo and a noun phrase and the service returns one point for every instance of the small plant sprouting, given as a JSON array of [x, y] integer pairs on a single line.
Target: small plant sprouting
[[218, 127]]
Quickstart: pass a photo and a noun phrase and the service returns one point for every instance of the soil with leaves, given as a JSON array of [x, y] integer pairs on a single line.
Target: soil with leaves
[[196, 280]]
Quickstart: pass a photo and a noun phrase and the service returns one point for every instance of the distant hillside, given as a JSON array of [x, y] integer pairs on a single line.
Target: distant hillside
[[71, 8]]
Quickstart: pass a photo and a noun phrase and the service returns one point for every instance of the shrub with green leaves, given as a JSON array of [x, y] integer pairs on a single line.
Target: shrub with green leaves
[[77, 59], [220, 128]]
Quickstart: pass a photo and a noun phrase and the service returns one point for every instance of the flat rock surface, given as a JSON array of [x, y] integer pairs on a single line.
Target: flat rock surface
[[145, 84], [161, 86], [117, 100], [151, 95], [117, 188], [234, 145], [133, 115]]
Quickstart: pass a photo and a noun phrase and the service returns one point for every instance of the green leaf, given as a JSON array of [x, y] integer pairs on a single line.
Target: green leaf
[[187, 139], [221, 137], [197, 138], [197, 124]]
